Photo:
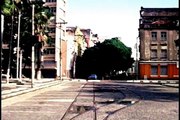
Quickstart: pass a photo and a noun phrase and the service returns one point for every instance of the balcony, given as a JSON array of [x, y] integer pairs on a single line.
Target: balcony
[[49, 64], [49, 57]]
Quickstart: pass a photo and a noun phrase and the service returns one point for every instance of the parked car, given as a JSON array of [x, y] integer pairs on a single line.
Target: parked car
[[92, 77]]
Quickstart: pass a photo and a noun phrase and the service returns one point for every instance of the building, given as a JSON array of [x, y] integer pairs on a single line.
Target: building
[[158, 30], [54, 57], [53, 49], [78, 40]]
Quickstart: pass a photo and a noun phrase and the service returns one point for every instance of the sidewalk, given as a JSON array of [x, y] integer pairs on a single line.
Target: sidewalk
[[14, 87]]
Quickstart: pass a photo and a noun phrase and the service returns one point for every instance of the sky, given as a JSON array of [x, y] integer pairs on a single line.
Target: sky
[[112, 18]]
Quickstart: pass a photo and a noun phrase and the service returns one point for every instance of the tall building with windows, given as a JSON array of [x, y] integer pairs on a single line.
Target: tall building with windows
[[53, 51], [158, 30]]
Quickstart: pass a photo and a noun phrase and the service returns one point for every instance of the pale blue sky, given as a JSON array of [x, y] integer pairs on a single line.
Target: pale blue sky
[[112, 18]]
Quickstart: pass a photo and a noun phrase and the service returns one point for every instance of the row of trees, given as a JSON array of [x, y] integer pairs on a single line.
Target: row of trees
[[105, 59], [11, 11]]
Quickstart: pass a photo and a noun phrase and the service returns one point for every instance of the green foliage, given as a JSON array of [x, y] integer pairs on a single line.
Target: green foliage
[[7, 7], [106, 58], [11, 12]]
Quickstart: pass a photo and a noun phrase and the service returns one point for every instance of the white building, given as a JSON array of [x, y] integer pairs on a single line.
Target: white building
[[57, 30]]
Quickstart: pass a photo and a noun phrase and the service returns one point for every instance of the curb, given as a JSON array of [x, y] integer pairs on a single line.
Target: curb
[[19, 91], [171, 86], [153, 81], [174, 84]]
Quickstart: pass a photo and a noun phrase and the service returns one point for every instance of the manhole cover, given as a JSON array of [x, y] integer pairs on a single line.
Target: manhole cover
[[80, 109]]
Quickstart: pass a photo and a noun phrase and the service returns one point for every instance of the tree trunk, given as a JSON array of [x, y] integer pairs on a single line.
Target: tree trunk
[[10, 49], [39, 55]]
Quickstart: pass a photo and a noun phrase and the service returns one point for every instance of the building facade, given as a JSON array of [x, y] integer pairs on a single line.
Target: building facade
[[158, 30], [54, 51], [78, 40], [53, 58]]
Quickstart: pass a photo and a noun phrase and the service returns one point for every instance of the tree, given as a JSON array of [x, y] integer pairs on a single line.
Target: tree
[[106, 58], [7, 9], [42, 15]]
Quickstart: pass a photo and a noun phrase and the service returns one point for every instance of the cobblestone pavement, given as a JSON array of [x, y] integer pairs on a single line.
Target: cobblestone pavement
[[95, 101]]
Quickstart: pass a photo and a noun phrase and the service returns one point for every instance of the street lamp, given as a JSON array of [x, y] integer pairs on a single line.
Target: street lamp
[[32, 53], [18, 49], [59, 62], [137, 58]]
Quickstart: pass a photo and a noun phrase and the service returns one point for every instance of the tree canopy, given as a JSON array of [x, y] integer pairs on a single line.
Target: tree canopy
[[106, 58], [11, 10]]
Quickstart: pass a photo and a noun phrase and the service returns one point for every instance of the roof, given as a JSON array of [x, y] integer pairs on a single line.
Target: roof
[[161, 9]]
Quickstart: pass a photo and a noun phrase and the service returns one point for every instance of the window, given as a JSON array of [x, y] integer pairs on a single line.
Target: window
[[154, 70], [154, 36], [163, 36], [153, 54], [50, 0], [164, 70], [163, 54], [49, 51], [52, 9], [52, 30]]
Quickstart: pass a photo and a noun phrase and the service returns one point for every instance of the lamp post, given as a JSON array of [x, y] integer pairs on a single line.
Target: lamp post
[[18, 49], [2, 31], [137, 58], [32, 53], [59, 62]]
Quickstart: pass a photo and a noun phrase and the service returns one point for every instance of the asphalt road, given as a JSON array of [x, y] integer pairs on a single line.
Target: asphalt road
[[95, 101]]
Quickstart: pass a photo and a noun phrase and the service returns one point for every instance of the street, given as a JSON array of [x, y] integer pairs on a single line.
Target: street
[[105, 100]]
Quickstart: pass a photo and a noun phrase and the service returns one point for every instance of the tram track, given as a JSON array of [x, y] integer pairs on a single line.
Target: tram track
[[127, 98]]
